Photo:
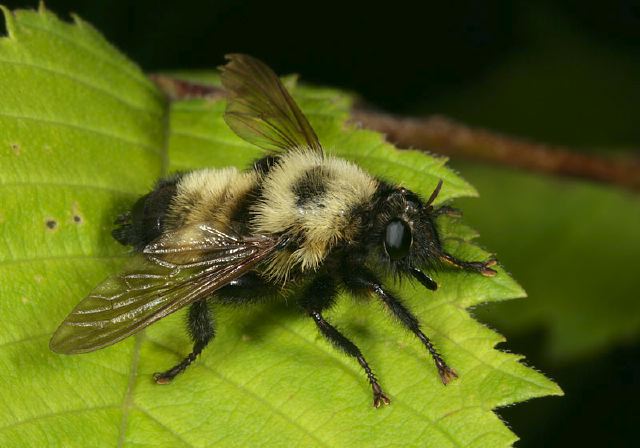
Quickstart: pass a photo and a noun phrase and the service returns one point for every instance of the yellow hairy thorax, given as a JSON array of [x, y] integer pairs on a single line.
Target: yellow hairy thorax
[[318, 218]]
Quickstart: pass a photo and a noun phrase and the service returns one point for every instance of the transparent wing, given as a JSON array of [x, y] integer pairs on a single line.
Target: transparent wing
[[260, 110], [172, 272]]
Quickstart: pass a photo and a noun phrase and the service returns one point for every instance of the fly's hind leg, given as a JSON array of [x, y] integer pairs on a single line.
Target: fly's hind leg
[[248, 288], [201, 329]]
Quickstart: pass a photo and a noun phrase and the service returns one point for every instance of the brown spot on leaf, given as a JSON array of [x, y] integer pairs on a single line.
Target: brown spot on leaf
[[77, 219], [15, 148], [51, 224]]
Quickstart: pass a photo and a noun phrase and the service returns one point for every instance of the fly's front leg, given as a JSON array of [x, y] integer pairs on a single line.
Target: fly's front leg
[[481, 267], [447, 211], [362, 281]]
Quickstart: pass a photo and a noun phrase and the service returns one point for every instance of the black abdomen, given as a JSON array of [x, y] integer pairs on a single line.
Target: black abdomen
[[145, 222]]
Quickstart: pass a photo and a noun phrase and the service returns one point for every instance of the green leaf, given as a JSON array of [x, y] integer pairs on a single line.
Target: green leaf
[[82, 134], [575, 246]]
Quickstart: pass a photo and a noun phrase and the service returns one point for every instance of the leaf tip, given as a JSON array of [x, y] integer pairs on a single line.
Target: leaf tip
[[9, 22], [80, 22], [290, 81], [43, 11], [469, 190], [556, 390], [515, 289]]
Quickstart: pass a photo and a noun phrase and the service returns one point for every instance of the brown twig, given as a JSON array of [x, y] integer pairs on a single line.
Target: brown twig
[[444, 136], [179, 89]]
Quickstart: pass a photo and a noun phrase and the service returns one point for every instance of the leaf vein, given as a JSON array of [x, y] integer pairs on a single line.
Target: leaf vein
[[131, 72], [70, 185], [213, 140], [255, 397], [62, 258], [137, 144], [25, 339], [56, 414], [79, 80], [127, 399], [168, 429]]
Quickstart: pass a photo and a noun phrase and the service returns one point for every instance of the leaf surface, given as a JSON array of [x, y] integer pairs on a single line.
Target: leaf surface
[[83, 133]]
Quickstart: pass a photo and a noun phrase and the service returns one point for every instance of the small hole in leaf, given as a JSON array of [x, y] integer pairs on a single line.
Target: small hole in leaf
[[75, 213], [51, 224]]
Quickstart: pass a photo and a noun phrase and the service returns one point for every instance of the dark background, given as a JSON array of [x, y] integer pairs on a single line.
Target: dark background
[[561, 72]]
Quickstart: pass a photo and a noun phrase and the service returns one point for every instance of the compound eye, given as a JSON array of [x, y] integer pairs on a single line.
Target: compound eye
[[397, 239]]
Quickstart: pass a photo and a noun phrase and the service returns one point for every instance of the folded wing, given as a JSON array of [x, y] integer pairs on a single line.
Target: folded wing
[[174, 271]]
